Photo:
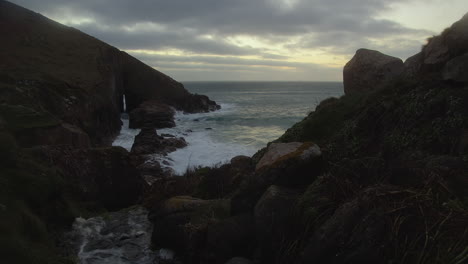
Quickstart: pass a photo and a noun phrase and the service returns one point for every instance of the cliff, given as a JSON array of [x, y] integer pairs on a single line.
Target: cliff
[[73, 82], [379, 175], [61, 97]]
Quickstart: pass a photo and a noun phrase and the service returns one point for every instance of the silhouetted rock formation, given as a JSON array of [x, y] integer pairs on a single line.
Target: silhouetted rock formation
[[443, 57], [149, 142], [369, 70], [152, 114], [57, 70]]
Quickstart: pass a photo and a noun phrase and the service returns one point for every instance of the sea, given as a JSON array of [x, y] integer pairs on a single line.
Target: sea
[[252, 114]]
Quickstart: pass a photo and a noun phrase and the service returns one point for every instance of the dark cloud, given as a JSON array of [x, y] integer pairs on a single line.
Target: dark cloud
[[176, 39], [156, 59], [332, 26]]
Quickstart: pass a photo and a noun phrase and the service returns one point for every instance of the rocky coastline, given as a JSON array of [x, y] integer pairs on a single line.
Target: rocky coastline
[[376, 176]]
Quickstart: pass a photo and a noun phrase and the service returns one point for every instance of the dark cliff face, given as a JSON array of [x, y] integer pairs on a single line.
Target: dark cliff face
[[55, 70]]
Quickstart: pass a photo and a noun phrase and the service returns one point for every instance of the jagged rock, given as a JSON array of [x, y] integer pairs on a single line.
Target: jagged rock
[[151, 170], [152, 114], [196, 103], [369, 70], [444, 56], [149, 142]]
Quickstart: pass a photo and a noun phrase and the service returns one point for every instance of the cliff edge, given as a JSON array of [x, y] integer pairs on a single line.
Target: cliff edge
[[74, 82]]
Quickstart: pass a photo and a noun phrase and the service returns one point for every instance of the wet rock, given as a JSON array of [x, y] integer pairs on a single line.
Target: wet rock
[[119, 237], [196, 103], [149, 142], [152, 114], [369, 70]]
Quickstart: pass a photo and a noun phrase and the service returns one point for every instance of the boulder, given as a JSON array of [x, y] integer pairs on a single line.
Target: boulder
[[353, 234], [219, 182], [273, 215], [290, 164], [369, 70], [104, 177], [181, 222], [233, 236], [152, 114], [149, 142]]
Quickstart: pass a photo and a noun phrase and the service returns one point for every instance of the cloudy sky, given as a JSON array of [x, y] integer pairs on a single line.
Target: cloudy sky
[[276, 40]]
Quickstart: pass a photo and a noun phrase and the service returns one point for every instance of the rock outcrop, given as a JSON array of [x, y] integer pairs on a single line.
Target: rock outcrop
[[149, 142], [369, 70], [78, 80], [152, 114], [103, 177], [443, 57]]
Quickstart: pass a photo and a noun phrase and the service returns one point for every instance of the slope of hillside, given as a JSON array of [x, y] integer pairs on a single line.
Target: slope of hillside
[[379, 175]]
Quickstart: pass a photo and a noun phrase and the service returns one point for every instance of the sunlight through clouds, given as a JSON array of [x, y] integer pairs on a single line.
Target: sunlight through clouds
[[308, 40]]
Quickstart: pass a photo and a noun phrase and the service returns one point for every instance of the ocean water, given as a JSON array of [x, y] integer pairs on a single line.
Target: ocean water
[[252, 114]]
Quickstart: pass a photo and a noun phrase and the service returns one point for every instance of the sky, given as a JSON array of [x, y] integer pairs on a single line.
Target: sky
[[255, 40]]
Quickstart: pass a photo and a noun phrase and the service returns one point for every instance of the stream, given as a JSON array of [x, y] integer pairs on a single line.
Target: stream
[[122, 237]]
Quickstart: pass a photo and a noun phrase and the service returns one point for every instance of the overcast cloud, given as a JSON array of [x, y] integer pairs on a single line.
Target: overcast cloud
[[251, 39]]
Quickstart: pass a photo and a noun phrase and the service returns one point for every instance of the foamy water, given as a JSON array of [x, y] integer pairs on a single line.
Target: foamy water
[[251, 115], [122, 237], [204, 148]]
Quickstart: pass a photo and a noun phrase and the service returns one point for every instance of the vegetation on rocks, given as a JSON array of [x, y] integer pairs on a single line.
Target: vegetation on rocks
[[390, 185]]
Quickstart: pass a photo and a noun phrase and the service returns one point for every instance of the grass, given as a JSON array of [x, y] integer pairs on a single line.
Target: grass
[[20, 117]]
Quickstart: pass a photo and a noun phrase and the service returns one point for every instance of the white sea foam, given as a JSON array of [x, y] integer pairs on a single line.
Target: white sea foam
[[127, 135], [205, 146], [202, 132]]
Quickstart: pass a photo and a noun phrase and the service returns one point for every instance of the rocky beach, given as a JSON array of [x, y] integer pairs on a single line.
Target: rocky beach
[[378, 175]]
